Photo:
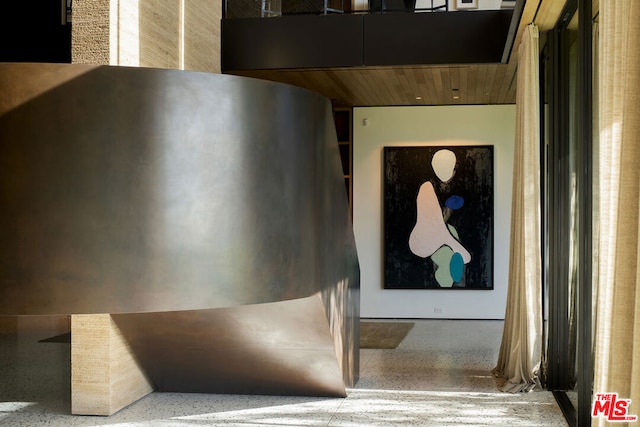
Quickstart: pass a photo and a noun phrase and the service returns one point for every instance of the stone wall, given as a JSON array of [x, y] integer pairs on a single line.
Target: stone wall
[[148, 33]]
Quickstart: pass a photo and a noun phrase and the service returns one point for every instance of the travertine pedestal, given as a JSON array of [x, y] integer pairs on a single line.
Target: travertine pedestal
[[105, 376]]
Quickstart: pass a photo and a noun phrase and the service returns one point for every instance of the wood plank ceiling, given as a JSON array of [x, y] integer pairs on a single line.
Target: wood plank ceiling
[[466, 84]]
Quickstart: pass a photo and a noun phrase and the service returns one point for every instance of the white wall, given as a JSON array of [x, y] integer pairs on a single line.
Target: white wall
[[482, 5], [450, 125]]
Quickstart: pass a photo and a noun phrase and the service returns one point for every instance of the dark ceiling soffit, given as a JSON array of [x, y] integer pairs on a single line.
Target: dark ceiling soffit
[[513, 29], [333, 41]]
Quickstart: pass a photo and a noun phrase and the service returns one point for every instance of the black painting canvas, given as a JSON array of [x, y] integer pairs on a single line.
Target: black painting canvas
[[438, 217]]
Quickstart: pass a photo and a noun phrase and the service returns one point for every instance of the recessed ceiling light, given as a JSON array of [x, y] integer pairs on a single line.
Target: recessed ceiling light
[[418, 98]]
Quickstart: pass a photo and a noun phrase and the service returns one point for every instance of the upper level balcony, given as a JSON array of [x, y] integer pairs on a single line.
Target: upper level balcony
[[308, 34]]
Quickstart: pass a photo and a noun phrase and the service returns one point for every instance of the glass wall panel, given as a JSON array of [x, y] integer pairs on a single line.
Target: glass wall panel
[[569, 176]]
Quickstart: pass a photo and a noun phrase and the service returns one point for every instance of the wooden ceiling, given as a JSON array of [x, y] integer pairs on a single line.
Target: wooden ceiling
[[421, 85]]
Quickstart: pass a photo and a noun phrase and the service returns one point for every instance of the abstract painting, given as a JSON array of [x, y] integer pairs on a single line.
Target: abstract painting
[[438, 217]]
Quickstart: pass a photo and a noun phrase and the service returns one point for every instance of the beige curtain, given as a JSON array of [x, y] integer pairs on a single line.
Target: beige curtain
[[520, 357], [617, 344]]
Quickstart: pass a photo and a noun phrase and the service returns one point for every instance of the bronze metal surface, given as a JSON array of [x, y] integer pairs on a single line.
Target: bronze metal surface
[[200, 210], [140, 190], [282, 348]]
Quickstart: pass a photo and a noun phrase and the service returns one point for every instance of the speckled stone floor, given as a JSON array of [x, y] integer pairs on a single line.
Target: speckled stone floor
[[440, 375]]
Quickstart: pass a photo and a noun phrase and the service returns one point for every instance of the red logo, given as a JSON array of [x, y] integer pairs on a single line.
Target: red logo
[[613, 409]]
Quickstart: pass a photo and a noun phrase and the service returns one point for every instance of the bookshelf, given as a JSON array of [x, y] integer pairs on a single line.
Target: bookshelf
[[344, 130]]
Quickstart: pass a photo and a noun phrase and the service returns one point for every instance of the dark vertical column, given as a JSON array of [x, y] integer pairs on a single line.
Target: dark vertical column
[[585, 194], [559, 220]]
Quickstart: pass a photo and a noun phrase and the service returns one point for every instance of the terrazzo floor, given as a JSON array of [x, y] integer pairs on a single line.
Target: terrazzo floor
[[440, 375]]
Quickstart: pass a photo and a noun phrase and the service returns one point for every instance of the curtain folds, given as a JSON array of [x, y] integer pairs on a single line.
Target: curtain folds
[[617, 333], [520, 357]]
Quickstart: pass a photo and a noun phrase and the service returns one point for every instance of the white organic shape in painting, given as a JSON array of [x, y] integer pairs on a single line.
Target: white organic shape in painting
[[430, 231], [443, 164]]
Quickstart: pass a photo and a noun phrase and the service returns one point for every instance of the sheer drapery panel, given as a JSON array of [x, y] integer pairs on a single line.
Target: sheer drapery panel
[[617, 344], [519, 360]]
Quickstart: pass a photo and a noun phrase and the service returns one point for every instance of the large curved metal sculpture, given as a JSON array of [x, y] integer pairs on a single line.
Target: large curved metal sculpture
[[206, 213]]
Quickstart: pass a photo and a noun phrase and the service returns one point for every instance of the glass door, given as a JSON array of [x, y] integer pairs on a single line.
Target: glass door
[[568, 162]]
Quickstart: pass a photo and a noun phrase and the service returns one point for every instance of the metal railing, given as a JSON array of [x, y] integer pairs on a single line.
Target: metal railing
[[275, 8]]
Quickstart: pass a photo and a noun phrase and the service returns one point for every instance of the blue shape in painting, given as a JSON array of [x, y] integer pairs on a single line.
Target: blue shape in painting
[[454, 202], [456, 267]]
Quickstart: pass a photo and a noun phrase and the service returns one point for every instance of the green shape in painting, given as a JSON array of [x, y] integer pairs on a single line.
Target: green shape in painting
[[442, 259]]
